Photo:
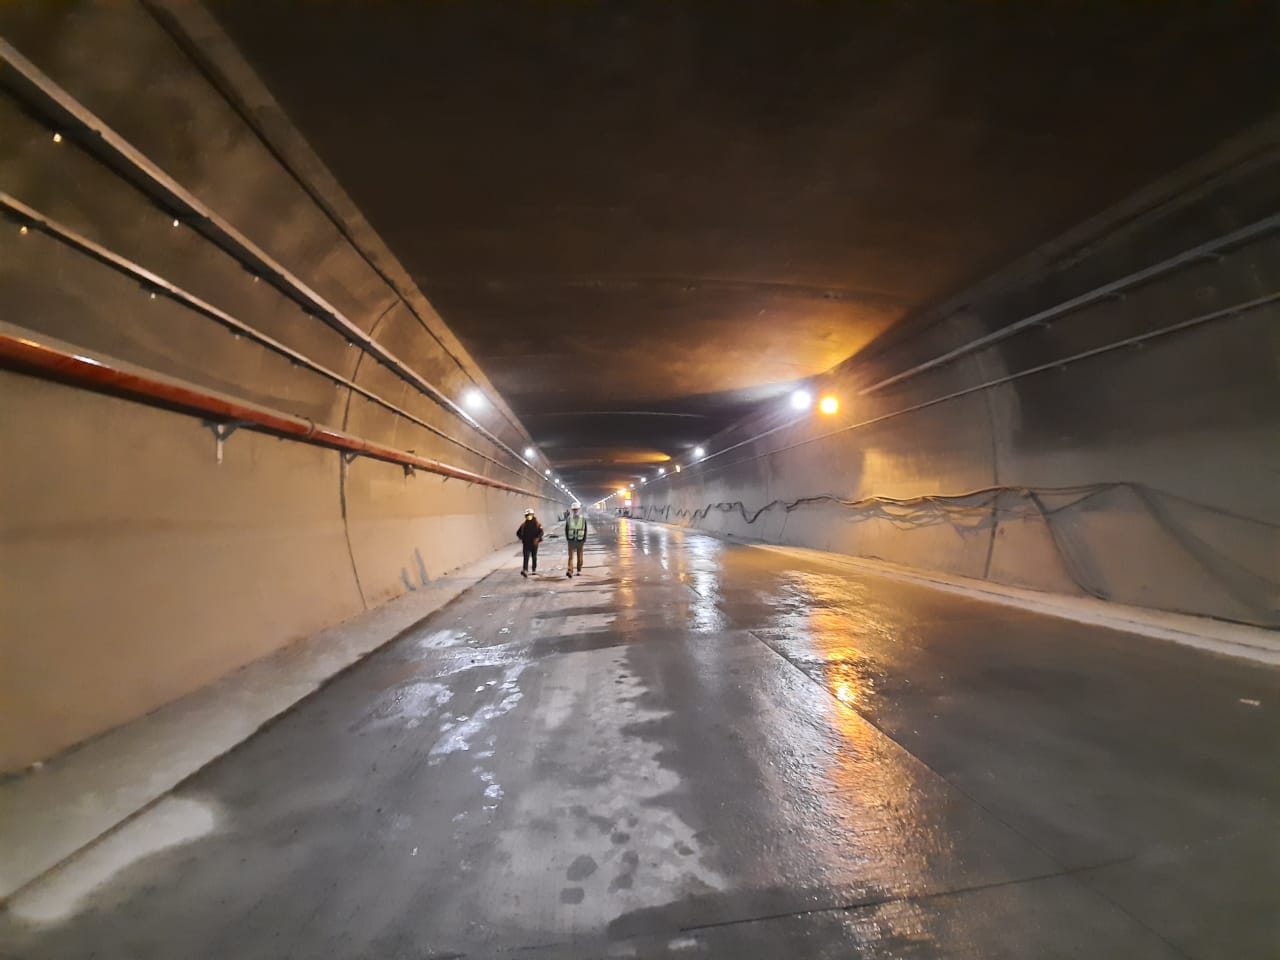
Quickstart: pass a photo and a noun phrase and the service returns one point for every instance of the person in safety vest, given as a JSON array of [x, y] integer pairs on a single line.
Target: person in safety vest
[[530, 535], [575, 534]]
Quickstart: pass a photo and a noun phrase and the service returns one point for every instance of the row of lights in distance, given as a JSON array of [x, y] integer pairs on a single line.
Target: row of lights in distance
[[529, 454], [475, 402], [800, 400]]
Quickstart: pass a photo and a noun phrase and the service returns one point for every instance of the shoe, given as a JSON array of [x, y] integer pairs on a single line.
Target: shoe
[[524, 573], [579, 571], [569, 574]]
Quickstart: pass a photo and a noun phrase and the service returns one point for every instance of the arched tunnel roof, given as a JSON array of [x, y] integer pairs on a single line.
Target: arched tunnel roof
[[644, 220]]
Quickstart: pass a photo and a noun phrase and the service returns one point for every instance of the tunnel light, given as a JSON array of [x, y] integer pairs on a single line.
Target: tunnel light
[[699, 452], [643, 480], [801, 400], [529, 453], [23, 231], [473, 400], [57, 138], [829, 405], [677, 468], [661, 471], [175, 221], [622, 491], [546, 473], [631, 486]]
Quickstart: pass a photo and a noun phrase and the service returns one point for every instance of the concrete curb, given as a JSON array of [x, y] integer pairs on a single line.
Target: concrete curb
[[53, 812], [1232, 639]]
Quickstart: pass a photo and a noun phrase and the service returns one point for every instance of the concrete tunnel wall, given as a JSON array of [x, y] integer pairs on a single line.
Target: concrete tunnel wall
[[137, 568], [1148, 475]]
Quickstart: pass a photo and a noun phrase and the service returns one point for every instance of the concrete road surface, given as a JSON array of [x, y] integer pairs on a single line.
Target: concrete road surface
[[699, 749]]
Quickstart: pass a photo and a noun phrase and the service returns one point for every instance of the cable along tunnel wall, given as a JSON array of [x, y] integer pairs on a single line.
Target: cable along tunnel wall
[[1127, 449], [137, 567]]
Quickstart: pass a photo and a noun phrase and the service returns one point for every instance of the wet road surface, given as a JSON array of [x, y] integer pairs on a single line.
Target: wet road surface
[[700, 749]]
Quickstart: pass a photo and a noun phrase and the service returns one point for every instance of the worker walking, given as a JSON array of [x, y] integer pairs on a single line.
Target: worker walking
[[575, 534], [530, 535]]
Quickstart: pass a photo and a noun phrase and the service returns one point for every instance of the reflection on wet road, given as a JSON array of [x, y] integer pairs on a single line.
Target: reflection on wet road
[[702, 749]]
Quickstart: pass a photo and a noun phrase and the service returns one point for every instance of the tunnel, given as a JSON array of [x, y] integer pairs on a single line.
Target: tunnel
[[752, 479]]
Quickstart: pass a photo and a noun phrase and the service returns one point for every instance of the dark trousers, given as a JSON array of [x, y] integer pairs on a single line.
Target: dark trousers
[[575, 546], [531, 550]]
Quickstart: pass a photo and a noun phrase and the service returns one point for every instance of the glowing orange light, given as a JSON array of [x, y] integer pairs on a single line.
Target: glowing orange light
[[829, 405]]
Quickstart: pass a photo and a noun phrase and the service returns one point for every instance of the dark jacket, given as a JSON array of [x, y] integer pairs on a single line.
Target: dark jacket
[[530, 532]]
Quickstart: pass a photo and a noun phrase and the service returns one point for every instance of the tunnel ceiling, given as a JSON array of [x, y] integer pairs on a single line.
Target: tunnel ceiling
[[643, 220]]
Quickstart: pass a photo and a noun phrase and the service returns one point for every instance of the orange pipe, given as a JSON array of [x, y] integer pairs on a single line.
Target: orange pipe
[[29, 353]]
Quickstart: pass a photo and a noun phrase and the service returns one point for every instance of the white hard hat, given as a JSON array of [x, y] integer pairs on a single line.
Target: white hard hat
[[528, 511], [577, 506]]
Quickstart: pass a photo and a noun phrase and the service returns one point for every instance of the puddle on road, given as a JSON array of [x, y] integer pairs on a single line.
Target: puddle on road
[[408, 704], [459, 733], [592, 841]]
